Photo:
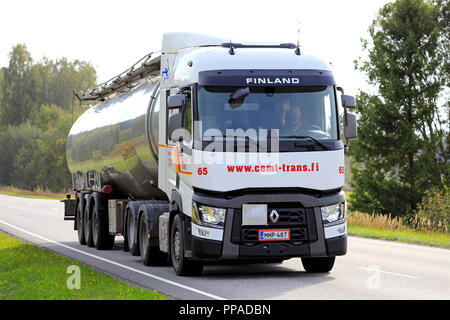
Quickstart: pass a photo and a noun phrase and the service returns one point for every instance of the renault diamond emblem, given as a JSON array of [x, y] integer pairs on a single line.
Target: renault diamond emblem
[[274, 216]]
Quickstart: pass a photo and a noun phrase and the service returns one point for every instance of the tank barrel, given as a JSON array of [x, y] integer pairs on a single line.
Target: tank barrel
[[116, 142]]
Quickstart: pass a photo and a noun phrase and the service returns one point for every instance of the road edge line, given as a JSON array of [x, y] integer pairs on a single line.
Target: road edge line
[[115, 263]]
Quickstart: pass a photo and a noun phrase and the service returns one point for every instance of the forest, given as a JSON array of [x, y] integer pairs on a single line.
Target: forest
[[37, 109]]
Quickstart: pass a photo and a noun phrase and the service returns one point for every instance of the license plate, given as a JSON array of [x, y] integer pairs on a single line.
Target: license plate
[[274, 235]]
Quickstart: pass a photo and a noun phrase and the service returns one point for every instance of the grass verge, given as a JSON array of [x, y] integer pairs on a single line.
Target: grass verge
[[30, 273], [408, 236], [36, 194], [386, 227]]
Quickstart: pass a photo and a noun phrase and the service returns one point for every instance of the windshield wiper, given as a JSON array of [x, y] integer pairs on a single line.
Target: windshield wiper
[[256, 142], [233, 137], [307, 137]]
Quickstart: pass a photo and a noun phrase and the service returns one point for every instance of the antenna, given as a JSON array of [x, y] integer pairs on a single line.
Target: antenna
[[297, 50], [231, 51]]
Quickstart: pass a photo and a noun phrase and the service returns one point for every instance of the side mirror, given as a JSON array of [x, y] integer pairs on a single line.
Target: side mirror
[[237, 97], [175, 122], [350, 126], [348, 101], [240, 93], [177, 101]]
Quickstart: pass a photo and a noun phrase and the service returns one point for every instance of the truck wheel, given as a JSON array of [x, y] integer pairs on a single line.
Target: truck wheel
[[80, 222], [100, 230], [150, 255], [88, 227], [181, 265], [318, 265], [126, 248], [131, 230]]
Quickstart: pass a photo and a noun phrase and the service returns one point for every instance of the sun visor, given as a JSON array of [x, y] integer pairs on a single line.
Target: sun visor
[[264, 78]]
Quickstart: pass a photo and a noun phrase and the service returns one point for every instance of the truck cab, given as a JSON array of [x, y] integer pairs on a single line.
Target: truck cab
[[253, 155]]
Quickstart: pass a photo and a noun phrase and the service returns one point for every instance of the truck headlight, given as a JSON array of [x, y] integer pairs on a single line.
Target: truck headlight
[[333, 213], [212, 215]]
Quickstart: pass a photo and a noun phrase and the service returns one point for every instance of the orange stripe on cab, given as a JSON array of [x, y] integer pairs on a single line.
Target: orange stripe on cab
[[177, 159]]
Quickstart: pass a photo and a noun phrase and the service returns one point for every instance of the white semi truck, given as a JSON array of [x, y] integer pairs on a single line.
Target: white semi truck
[[212, 150]]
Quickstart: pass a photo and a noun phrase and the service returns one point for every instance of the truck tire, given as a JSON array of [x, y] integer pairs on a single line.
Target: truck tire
[[318, 265], [150, 255], [126, 248], [131, 238], [181, 265], [100, 230], [80, 221], [88, 226]]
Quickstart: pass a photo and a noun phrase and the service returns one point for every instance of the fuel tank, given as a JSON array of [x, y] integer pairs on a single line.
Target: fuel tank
[[118, 139]]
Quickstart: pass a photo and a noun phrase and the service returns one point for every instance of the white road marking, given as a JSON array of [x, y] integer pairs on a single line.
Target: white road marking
[[116, 263], [387, 272]]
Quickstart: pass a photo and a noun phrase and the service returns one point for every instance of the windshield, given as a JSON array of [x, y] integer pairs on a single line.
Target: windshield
[[297, 112]]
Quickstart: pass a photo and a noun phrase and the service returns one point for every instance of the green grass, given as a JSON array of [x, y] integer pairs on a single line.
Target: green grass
[[30, 273], [38, 194], [32, 196], [408, 236], [383, 228]]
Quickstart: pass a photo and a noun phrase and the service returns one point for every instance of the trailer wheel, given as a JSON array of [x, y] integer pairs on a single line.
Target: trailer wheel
[[131, 238], [100, 230], [88, 227], [150, 255], [181, 265], [318, 265], [80, 222], [125, 232]]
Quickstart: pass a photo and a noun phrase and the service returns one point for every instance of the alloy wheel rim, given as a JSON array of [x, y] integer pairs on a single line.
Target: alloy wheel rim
[[86, 225], [94, 226], [80, 224], [177, 245], [130, 230], [142, 233]]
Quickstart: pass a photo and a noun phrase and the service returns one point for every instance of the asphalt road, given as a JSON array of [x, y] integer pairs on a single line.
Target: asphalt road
[[372, 269]]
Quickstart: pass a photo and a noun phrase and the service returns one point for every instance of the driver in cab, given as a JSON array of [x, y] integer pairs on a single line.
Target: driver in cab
[[291, 121]]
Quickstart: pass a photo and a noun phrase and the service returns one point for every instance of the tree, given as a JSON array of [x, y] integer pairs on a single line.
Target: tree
[[54, 124], [17, 144], [25, 169], [19, 87], [63, 77], [36, 113], [28, 85], [1, 98], [401, 151]]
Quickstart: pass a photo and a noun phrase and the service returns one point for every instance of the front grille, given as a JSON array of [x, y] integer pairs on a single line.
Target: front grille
[[299, 220], [287, 216]]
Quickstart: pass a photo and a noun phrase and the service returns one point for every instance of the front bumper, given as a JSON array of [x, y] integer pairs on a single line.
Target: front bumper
[[298, 212]]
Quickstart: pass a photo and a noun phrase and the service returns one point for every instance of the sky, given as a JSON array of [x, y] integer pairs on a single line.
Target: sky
[[113, 35]]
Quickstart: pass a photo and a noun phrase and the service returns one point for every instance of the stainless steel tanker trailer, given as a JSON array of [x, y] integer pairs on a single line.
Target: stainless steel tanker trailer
[[210, 151]]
